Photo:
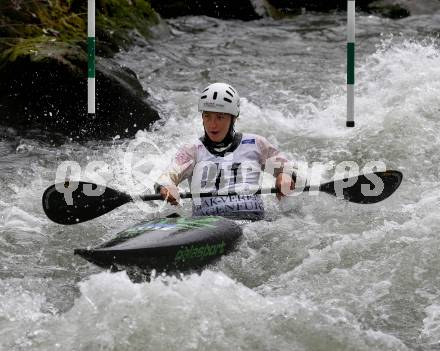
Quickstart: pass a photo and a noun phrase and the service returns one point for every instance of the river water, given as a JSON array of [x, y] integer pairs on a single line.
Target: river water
[[319, 273]]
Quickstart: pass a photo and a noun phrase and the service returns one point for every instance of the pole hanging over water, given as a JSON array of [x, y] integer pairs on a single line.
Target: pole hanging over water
[[91, 42], [350, 61]]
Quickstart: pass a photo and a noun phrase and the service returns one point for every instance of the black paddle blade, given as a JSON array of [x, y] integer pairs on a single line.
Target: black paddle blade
[[366, 188], [76, 202]]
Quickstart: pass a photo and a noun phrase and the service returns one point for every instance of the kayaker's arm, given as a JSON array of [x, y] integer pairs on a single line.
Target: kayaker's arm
[[180, 169], [275, 162], [285, 185], [170, 193]]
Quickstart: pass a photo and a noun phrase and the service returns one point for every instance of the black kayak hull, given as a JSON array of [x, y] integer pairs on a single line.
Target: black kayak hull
[[169, 244]]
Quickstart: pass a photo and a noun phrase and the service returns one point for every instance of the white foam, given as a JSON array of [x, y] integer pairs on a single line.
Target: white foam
[[17, 219], [431, 325]]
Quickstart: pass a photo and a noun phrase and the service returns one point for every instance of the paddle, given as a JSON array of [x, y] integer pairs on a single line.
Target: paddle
[[84, 207]]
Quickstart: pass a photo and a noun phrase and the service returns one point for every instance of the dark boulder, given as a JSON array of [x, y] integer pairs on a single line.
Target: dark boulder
[[387, 9], [384, 8], [224, 9], [296, 6], [43, 68], [120, 100], [51, 95]]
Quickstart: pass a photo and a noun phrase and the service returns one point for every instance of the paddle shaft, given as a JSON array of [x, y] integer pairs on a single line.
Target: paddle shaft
[[189, 195]]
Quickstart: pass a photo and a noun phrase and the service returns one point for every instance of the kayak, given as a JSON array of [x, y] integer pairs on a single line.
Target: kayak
[[167, 244]]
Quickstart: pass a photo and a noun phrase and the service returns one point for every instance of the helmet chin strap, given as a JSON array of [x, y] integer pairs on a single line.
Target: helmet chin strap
[[231, 141]]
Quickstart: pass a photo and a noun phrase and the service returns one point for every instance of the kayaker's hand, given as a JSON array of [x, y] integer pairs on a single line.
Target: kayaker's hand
[[170, 193], [285, 185]]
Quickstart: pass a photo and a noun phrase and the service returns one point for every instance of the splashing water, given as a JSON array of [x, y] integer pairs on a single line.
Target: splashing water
[[322, 274]]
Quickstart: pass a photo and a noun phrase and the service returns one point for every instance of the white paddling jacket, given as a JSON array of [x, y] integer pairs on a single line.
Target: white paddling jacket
[[237, 171]]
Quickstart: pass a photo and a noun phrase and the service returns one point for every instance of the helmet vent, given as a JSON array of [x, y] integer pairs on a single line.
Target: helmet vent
[[221, 98]]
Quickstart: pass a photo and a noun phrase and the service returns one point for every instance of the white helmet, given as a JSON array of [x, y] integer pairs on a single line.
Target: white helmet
[[220, 97]]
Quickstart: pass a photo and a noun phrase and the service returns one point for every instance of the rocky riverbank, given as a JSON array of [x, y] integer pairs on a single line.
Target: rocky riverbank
[[43, 56], [43, 68], [253, 9]]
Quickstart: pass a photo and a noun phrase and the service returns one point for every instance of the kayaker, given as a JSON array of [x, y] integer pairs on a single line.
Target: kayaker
[[224, 160]]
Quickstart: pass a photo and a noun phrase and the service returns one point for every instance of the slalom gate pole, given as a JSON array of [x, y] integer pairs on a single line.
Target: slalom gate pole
[[350, 61], [91, 43]]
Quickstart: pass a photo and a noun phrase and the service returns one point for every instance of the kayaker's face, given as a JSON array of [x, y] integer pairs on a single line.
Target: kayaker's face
[[216, 124]]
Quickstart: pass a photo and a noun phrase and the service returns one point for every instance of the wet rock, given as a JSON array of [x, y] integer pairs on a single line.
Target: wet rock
[[298, 6], [386, 8], [51, 95], [121, 105], [43, 68], [418, 7], [224, 9]]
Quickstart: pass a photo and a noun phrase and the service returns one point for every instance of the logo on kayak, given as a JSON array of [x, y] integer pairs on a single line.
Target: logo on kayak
[[173, 223], [142, 228], [190, 223], [199, 252]]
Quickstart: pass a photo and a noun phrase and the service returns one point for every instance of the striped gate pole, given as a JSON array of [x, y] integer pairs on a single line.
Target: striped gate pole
[[350, 61], [91, 42]]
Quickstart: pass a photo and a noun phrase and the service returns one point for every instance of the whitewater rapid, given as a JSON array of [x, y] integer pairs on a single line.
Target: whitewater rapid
[[319, 273]]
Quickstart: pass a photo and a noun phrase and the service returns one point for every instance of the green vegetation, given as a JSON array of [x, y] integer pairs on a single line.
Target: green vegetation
[[57, 29], [125, 14], [39, 29], [116, 18]]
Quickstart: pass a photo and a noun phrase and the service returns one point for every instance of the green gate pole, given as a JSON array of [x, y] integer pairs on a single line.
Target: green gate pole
[[350, 61], [91, 42]]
